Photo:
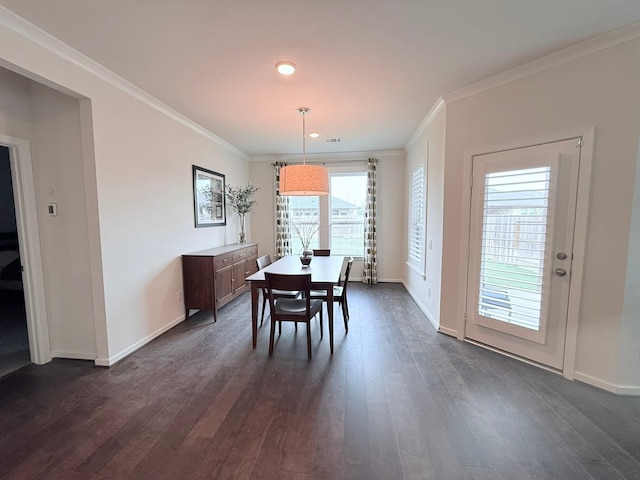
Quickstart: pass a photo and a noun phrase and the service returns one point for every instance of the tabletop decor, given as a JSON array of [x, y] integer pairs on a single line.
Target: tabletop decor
[[208, 198], [306, 231], [241, 202]]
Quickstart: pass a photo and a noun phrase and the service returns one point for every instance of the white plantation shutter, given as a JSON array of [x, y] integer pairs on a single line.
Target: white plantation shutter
[[417, 220], [514, 245]]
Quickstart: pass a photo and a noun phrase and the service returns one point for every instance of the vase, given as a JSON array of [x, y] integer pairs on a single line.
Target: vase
[[305, 257], [243, 235]]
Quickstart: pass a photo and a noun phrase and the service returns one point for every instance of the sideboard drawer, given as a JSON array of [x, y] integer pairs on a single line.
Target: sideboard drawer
[[252, 251], [240, 255], [222, 261]]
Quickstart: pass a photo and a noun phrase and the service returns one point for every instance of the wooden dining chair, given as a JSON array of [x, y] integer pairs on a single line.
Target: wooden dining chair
[[339, 294], [261, 263], [291, 309], [321, 252]]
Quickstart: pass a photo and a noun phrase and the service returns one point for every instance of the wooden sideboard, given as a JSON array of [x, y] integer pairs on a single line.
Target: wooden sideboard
[[212, 278]]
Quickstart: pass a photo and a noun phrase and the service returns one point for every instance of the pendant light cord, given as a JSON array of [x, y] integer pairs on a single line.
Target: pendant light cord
[[304, 141], [304, 111]]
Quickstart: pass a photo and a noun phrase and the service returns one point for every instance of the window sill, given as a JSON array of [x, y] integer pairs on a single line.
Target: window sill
[[416, 269]]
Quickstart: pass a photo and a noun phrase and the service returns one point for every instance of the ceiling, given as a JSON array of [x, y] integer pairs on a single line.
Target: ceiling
[[369, 70]]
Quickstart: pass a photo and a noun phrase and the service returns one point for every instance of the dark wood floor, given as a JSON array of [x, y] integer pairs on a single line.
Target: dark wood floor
[[396, 400]]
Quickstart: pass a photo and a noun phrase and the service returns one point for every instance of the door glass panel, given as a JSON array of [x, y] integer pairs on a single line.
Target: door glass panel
[[514, 230]]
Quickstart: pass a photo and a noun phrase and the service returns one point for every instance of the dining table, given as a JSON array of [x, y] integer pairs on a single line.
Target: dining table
[[325, 273]]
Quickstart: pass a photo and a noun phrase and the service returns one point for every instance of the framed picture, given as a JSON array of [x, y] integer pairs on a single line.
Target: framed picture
[[208, 198]]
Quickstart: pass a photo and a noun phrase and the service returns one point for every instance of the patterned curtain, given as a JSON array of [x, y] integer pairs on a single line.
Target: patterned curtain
[[283, 231], [370, 260]]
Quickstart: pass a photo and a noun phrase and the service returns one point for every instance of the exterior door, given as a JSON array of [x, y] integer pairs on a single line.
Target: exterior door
[[523, 205]]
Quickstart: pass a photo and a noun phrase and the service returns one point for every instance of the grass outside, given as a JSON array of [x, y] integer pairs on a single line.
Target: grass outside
[[514, 276]]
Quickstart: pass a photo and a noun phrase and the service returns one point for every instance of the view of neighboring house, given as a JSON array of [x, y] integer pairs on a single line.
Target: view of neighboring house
[[346, 222]]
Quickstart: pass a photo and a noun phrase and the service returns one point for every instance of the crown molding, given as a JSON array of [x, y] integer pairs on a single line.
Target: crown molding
[[439, 105], [329, 157], [43, 39], [593, 45]]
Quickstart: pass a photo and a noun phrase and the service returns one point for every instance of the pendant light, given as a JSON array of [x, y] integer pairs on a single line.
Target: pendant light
[[304, 180]]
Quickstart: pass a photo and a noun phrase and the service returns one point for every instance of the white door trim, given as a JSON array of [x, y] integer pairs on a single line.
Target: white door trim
[[579, 251], [29, 244], [580, 233]]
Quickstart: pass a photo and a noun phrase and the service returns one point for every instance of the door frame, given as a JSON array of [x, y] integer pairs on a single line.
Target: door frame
[[29, 246], [580, 233]]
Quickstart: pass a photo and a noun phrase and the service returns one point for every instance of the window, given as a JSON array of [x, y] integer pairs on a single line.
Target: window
[[342, 213], [347, 202], [417, 220], [303, 211]]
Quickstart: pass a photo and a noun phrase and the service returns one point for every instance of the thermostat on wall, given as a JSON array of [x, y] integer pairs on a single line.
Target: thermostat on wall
[[52, 209]]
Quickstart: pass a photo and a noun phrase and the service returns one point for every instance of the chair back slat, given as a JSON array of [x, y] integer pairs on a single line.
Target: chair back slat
[[346, 275], [280, 281], [263, 261], [321, 252]]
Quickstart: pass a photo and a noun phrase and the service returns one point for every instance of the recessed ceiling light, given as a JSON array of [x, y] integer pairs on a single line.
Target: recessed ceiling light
[[314, 134], [285, 67]]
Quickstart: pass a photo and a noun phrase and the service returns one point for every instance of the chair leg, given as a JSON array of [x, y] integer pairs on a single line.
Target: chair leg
[[271, 335], [264, 304], [321, 325], [279, 328], [346, 306], [345, 314], [308, 339]]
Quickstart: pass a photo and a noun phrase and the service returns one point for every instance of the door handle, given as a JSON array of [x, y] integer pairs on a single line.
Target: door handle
[[561, 272]]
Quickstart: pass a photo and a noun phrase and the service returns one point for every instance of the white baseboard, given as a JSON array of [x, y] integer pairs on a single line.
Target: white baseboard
[[107, 362], [421, 306], [73, 355], [448, 331], [380, 280], [633, 390]]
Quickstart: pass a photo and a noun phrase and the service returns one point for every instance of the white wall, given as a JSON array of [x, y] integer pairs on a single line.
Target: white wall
[[59, 178], [600, 90], [49, 120], [262, 220], [629, 354], [390, 177], [136, 163], [15, 105], [426, 289], [145, 195]]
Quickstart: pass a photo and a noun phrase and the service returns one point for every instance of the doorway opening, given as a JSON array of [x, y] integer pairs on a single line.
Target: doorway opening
[[14, 337]]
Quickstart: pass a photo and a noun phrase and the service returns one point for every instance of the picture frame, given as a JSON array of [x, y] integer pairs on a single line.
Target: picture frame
[[209, 200]]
